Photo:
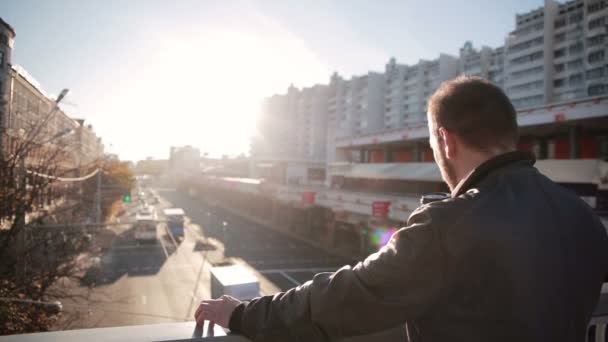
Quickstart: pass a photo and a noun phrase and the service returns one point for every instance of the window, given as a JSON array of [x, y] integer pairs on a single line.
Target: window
[[1, 59], [527, 101], [576, 17], [575, 34], [597, 6], [595, 23], [527, 58], [597, 89], [560, 37], [560, 23], [596, 40], [596, 56], [560, 67], [526, 72], [527, 44], [494, 75], [595, 73], [526, 30], [526, 86], [575, 80], [559, 83], [575, 48], [559, 53], [575, 64]]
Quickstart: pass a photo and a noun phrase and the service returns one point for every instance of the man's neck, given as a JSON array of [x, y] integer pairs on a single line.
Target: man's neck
[[472, 160]]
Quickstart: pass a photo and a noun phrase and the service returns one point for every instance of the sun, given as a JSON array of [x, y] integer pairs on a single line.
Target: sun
[[205, 89]]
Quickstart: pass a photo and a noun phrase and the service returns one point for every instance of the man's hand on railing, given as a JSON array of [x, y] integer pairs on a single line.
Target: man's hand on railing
[[216, 310]]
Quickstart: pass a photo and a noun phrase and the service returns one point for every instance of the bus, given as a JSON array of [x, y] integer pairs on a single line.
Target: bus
[[175, 221], [145, 227]]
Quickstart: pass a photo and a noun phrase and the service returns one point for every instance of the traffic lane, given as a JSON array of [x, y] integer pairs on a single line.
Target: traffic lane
[[167, 295], [261, 247]]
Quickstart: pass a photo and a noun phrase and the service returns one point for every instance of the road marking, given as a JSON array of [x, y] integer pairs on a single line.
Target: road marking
[[291, 279], [173, 238], [162, 244], [143, 299]]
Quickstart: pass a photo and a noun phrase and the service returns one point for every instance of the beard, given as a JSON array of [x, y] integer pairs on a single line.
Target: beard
[[447, 169]]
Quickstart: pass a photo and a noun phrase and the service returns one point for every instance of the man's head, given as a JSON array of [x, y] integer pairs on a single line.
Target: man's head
[[470, 121]]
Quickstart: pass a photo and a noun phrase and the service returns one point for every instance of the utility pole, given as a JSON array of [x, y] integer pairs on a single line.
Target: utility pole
[[21, 226], [98, 199], [2, 108]]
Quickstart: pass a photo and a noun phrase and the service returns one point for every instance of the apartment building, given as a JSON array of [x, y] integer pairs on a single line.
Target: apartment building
[[407, 88], [557, 53], [356, 105]]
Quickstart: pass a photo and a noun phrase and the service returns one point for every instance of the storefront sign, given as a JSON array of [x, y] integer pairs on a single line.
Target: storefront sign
[[308, 197], [380, 208]]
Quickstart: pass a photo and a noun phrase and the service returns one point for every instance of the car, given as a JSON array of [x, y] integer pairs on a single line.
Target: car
[[146, 210]]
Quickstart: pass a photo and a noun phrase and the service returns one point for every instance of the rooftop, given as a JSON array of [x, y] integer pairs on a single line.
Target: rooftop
[[7, 26]]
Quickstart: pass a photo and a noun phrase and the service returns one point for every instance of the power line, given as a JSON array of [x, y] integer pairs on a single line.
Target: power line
[[65, 179]]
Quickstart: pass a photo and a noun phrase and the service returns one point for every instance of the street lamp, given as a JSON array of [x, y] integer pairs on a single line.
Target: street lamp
[[64, 92]]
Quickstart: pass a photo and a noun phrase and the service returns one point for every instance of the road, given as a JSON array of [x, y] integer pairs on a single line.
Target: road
[[284, 260], [163, 281]]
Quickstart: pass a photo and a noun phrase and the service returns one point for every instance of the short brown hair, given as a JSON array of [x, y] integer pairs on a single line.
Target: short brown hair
[[476, 111]]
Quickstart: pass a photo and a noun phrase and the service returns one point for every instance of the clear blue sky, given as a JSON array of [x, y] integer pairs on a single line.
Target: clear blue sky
[[150, 74]]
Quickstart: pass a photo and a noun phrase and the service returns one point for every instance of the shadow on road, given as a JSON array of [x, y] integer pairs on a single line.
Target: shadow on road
[[261, 247], [126, 256]]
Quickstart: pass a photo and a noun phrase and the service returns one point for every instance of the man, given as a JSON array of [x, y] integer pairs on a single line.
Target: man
[[511, 256]]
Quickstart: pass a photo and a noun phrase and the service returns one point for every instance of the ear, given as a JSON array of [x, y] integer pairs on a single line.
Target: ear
[[450, 143]]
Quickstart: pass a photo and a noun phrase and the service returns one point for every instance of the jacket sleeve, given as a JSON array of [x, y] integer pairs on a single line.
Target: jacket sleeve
[[398, 283]]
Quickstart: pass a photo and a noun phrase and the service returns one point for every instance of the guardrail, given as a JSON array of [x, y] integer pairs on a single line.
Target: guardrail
[[184, 331]]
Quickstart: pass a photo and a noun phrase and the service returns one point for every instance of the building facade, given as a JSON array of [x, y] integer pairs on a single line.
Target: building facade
[[409, 86], [557, 53], [25, 107], [7, 40], [184, 158]]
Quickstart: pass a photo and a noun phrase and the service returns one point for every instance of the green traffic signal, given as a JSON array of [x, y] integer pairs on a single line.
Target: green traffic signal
[[127, 198]]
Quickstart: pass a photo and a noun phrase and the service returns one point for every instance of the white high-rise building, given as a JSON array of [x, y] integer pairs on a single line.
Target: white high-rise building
[[272, 126], [496, 69], [595, 26], [309, 127], [557, 52], [486, 62], [529, 55], [408, 87], [356, 105], [293, 126]]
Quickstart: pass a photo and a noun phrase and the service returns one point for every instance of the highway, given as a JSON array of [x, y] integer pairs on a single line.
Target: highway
[[145, 283]]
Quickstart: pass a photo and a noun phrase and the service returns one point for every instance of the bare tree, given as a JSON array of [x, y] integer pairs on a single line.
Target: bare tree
[[38, 247]]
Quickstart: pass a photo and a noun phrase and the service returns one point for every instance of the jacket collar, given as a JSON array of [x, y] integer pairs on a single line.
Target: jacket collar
[[494, 163]]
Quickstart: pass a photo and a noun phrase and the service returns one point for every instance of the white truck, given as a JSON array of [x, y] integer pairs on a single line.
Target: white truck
[[236, 281], [145, 227]]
